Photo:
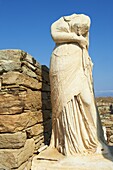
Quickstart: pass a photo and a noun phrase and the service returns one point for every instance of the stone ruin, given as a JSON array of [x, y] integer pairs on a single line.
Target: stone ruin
[[25, 109], [106, 115]]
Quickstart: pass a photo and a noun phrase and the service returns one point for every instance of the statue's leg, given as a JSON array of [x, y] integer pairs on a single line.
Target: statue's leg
[[87, 99], [92, 113]]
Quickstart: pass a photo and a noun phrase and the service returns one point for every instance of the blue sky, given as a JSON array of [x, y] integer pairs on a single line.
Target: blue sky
[[25, 24]]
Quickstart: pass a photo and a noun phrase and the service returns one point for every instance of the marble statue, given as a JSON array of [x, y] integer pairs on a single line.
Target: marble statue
[[77, 140], [76, 127]]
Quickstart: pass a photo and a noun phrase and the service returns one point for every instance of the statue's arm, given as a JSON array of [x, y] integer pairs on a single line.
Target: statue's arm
[[61, 35]]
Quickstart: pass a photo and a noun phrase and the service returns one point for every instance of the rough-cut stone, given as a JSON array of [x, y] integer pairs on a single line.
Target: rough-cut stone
[[13, 158], [28, 71], [13, 55], [12, 140], [26, 165], [9, 66], [9, 61], [25, 112], [14, 123], [33, 100], [39, 129], [39, 144], [39, 141], [35, 130], [21, 79], [27, 57], [28, 65], [39, 72], [10, 104], [108, 123], [39, 138]]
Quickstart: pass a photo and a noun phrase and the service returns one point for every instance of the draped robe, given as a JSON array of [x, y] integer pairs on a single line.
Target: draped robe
[[76, 125]]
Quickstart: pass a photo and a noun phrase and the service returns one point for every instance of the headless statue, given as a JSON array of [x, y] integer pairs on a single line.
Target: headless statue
[[76, 127]]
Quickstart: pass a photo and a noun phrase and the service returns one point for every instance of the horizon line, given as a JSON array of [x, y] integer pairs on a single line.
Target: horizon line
[[103, 91]]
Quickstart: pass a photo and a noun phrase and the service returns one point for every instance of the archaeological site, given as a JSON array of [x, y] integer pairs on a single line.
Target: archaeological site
[[49, 117]]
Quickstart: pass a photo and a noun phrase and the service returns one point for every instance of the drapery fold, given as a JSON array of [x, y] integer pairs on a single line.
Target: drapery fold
[[74, 119]]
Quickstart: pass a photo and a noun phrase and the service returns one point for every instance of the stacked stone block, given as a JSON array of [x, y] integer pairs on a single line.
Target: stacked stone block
[[107, 123], [106, 115], [25, 109]]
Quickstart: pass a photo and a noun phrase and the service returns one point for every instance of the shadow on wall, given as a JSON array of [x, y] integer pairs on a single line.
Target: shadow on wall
[[46, 105]]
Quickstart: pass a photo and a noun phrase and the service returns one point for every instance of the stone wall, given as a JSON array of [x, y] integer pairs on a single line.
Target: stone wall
[[25, 109], [106, 114]]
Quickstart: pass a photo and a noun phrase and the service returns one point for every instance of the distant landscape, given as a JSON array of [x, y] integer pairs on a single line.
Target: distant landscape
[[104, 94]]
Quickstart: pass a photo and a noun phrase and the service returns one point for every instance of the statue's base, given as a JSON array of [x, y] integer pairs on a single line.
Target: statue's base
[[51, 159]]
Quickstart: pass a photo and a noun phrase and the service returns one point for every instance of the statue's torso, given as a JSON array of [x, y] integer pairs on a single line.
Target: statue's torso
[[66, 55]]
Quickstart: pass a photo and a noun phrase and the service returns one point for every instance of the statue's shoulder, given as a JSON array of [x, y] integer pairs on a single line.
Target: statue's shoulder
[[59, 21], [60, 25]]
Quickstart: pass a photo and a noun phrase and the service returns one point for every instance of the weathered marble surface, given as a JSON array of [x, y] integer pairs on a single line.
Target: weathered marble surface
[[76, 126], [77, 140], [51, 159]]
